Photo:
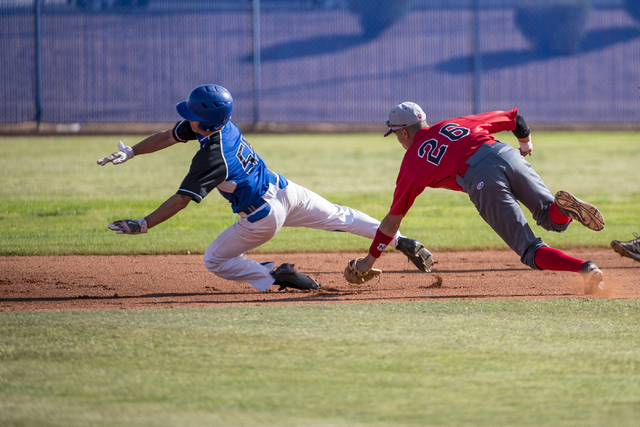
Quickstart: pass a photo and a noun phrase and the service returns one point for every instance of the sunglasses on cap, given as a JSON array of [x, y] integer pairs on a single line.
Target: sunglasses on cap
[[390, 126]]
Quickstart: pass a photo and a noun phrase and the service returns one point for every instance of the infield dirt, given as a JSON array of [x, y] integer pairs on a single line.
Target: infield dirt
[[165, 281]]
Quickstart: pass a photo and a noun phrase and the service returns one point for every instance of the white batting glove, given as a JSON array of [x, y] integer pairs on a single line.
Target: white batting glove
[[129, 226], [526, 147], [118, 157]]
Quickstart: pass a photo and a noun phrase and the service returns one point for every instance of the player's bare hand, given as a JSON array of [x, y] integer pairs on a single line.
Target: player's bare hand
[[125, 153], [129, 226]]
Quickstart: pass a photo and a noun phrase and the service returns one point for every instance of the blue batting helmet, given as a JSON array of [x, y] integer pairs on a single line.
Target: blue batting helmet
[[211, 105]]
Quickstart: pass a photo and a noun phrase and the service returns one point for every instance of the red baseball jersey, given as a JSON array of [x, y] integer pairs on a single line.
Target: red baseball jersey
[[440, 151]]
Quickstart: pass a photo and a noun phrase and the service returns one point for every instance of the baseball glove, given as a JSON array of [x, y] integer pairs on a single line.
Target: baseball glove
[[355, 276], [416, 252]]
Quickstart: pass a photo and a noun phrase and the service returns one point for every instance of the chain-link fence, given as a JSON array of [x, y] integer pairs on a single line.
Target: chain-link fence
[[320, 61]]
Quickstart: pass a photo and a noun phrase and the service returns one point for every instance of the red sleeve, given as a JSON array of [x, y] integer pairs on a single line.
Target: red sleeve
[[407, 189], [497, 121]]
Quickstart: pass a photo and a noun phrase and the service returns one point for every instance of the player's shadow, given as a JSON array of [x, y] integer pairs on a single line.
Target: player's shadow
[[593, 41], [309, 47]]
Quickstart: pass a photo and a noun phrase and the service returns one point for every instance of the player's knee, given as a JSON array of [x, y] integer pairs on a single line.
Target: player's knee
[[213, 264]]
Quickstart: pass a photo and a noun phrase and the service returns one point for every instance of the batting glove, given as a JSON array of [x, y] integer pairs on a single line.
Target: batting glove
[[118, 157], [129, 226], [526, 147]]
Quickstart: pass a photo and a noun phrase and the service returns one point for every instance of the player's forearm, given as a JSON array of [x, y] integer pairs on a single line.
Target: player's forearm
[[523, 133], [388, 227], [172, 206], [156, 142], [522, 130], [390, 224]]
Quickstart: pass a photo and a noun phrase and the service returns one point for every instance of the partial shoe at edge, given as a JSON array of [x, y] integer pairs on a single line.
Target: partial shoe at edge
[[630, 249]]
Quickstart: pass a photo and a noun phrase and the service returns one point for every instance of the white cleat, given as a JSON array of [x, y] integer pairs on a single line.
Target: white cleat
[[592, 278]]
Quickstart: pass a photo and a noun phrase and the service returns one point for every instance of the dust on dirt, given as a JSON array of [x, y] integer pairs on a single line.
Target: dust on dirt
[[165, 281]]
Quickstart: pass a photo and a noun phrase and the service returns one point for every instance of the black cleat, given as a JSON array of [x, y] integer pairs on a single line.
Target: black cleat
[[287, 277], [630, 249], [416, 252]]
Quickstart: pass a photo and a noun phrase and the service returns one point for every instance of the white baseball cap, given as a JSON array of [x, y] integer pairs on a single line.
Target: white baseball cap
[[403, 115]]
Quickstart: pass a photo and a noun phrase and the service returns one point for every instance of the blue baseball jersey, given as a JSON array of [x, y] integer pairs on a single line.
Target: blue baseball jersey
[[225, 161]]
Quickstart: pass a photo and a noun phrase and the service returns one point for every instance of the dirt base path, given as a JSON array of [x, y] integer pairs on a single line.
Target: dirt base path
[[139, 282]]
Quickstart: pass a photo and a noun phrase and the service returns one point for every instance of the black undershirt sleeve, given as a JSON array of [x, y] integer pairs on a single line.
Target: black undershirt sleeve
[[182, 132], [522, 130], [208, 170]]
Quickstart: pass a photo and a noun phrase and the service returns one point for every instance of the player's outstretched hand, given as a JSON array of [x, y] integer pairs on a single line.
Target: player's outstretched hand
[[125, 153], [129, 226]]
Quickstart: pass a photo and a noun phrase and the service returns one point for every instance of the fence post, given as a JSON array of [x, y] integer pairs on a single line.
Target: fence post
[[38, 59], [477, 59], [257, 78]]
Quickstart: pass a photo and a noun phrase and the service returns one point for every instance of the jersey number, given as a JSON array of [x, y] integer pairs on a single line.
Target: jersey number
[[453, 131], [433, 152], [250, 161]]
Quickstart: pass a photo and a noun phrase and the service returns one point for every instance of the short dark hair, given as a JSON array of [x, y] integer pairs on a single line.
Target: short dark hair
[[415, 128]]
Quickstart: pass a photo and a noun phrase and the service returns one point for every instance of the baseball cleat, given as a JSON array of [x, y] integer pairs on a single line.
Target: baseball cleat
[[416, 253], [592, 278], [630, 249], [287, 277], [583, 212]]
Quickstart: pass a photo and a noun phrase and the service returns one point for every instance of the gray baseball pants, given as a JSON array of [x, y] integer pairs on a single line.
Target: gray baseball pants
[[497, 179]]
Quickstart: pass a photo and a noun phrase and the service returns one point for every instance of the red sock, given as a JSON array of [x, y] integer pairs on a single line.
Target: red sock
[[552, 259], [556, 216]]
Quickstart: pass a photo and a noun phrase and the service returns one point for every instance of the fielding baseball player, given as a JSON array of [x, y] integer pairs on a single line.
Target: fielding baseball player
[[264, 200], [461, 154]]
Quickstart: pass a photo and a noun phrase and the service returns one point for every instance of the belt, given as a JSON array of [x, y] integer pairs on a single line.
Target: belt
[[272, 178]]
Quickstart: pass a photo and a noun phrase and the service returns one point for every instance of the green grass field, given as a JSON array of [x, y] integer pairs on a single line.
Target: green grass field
[[54, 199], [446, 363], [490, 363], [560, 363]]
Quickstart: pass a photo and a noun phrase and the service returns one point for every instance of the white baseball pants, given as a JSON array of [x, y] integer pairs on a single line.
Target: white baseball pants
[[292, 206]]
